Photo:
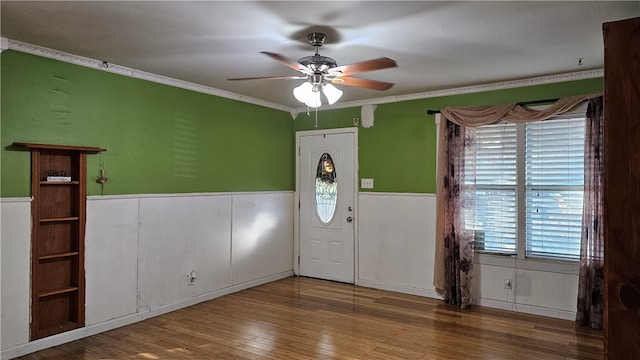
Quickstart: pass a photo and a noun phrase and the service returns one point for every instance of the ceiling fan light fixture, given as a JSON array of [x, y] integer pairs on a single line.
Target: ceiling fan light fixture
[[332, 93], [314, 100], [303, 92], [309, 94]]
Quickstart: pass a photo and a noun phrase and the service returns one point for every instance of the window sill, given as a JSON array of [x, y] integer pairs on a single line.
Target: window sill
[[547, 265]]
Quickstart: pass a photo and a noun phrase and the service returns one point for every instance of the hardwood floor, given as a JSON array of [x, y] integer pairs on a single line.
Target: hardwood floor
[[302, 318]]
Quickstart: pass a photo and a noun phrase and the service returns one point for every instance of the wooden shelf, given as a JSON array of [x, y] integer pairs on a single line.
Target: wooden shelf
[[64, 290], [86, 149], [60, 219], [59, 182], [59, 256]]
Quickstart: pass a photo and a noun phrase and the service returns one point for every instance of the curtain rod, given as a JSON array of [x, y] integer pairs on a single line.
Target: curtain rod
[[533, 102]]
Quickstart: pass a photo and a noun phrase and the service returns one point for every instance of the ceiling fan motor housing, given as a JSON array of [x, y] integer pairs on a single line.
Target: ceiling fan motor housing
[[318, 63]]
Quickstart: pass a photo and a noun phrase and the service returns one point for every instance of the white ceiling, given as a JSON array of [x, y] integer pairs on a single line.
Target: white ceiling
[[437, 45]]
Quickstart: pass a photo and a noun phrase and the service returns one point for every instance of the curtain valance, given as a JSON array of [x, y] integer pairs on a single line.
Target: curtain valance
[[474, 116]]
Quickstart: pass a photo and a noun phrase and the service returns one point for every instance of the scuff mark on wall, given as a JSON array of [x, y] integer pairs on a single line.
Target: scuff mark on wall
[[59, 102]]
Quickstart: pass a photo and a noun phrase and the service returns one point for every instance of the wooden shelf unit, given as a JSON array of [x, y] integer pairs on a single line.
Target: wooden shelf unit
[[57, 245]]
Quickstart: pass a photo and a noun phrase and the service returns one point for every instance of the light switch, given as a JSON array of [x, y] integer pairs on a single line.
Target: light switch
[[366, 183]]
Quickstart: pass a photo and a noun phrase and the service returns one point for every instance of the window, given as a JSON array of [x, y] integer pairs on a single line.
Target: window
[[529, 184], [326, 188]]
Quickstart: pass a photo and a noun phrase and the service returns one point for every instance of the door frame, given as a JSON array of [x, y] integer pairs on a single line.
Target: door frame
[[296, 200]]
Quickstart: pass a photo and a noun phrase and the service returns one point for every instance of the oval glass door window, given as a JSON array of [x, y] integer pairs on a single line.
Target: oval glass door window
[[326, 188]]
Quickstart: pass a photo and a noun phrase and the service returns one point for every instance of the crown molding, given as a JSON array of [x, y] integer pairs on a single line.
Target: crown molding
[[4, 44], [541, 80], [143, 75], [137, 74]]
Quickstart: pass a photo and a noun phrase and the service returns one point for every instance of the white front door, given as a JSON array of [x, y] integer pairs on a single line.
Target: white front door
[[326, 175]]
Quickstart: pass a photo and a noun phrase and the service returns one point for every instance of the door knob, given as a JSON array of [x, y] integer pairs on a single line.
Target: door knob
[[349, 219]]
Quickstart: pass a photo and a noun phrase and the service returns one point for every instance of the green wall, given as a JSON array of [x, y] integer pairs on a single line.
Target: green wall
[[159, 139], [398, 152]]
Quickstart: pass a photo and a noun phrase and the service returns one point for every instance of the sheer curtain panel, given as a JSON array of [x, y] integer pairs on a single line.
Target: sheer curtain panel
[[591, 278]]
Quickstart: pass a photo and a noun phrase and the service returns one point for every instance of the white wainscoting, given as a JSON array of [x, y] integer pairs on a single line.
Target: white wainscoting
[[139, 251], [396, 252], [396, 242], [261, 236], [16, 267], [111, 257], [178, 235]]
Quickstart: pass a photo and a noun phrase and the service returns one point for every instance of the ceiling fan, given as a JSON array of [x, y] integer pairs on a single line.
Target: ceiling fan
[[322, 71]]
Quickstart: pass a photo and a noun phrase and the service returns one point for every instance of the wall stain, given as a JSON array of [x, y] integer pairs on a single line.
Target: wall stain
[[60, 91], [59, 100]]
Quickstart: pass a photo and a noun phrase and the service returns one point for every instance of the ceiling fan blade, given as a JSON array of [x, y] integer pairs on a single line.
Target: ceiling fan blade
[[364, 66], [271, 78], [362, 83], [290, 63]]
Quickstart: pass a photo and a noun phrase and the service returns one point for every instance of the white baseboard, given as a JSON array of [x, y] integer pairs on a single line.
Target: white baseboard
[[496, 304], [399, 289], [527, 309], [55, 340]]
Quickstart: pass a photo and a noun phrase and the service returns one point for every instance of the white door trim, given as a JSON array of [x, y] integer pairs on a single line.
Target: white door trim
[[296, 200]]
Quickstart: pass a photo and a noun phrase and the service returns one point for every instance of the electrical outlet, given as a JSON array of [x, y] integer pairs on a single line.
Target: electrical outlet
[[508, 284], [191, 277], [366, 183]]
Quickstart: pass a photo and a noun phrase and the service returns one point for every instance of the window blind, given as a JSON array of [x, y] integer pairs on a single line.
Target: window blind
[[554, 186], [550, 155], [493, 166]]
